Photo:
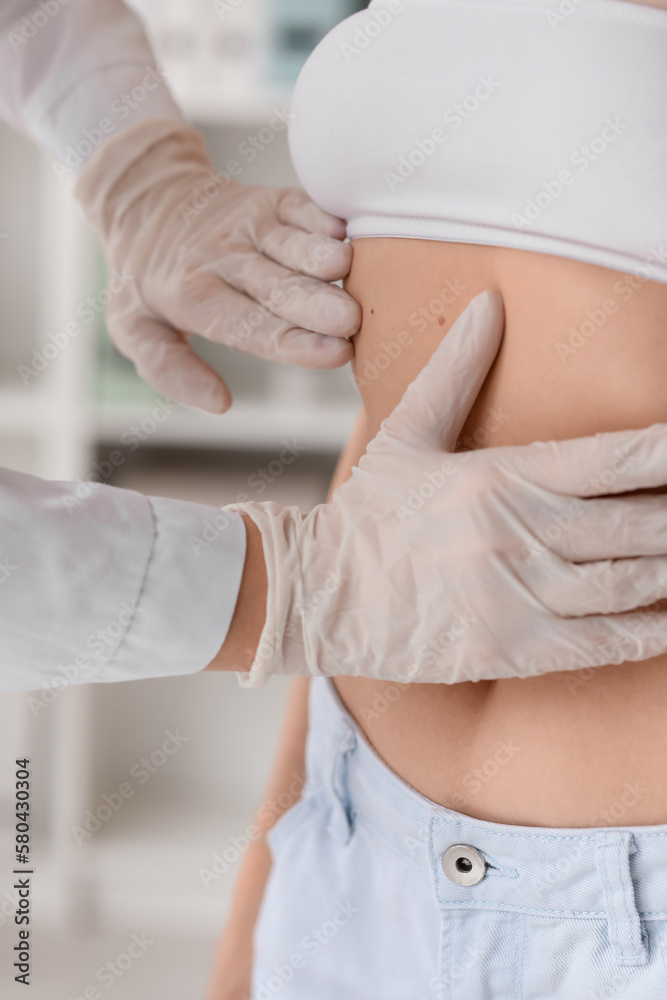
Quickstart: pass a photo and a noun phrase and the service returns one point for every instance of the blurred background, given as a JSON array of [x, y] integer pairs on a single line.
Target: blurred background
[[151, 866]]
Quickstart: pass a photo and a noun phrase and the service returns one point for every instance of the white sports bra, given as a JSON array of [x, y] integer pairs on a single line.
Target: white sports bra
[[535, 124]]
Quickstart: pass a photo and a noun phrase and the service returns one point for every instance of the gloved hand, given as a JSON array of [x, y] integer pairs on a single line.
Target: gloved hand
[[433, 565], [239, 265]]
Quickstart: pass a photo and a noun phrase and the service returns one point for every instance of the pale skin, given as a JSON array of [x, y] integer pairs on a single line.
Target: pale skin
[[582, 749]]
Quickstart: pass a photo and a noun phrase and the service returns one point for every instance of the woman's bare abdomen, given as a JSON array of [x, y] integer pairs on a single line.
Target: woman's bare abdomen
[[585, 350]]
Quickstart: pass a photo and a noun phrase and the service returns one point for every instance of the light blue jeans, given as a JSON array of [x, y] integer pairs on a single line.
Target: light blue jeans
[[358, 906]]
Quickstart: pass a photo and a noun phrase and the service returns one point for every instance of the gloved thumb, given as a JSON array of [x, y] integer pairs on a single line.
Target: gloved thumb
[[435, 406]]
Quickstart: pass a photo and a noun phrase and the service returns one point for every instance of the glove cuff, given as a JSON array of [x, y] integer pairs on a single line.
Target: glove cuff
[[110, 169], [281, 648]]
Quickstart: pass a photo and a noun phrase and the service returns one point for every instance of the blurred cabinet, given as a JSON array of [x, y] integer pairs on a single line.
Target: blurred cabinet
[[233, 57], [295, 28]]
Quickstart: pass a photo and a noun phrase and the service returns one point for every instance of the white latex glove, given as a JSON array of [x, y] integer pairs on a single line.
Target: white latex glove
[[239, 265], [428, 565]]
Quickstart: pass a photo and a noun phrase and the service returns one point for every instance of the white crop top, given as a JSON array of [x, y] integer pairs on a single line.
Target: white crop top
[[535, 124]]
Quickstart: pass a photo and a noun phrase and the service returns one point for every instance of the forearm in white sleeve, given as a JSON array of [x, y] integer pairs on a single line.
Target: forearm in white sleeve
[[74, 72], [103, 584]]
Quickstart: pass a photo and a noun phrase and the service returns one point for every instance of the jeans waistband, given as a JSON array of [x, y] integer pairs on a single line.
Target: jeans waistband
[[617, 873]]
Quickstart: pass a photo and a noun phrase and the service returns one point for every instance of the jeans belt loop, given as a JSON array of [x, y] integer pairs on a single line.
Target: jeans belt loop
[[612, 858], [341, 823]]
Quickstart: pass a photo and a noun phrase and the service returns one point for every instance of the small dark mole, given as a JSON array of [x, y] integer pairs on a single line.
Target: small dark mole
[[441, 320], [372, 312]]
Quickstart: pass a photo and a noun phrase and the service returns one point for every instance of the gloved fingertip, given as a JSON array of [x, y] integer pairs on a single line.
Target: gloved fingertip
[[218, 403], [341, 315], [299, 210], [338, 228], [212, 396], [318, 352], [339, 353], [329, 259], [332, 226]]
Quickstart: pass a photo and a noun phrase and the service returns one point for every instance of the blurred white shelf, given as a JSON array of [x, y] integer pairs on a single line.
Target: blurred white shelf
[[205, 106], [132, 884], [262, 423], [249, 423], [145, 863]]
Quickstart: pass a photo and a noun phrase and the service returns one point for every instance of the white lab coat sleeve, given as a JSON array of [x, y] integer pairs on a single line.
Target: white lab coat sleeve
[[104, 584], [75, 72]]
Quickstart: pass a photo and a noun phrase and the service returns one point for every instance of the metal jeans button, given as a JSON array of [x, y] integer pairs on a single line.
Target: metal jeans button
[[463, 865]]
